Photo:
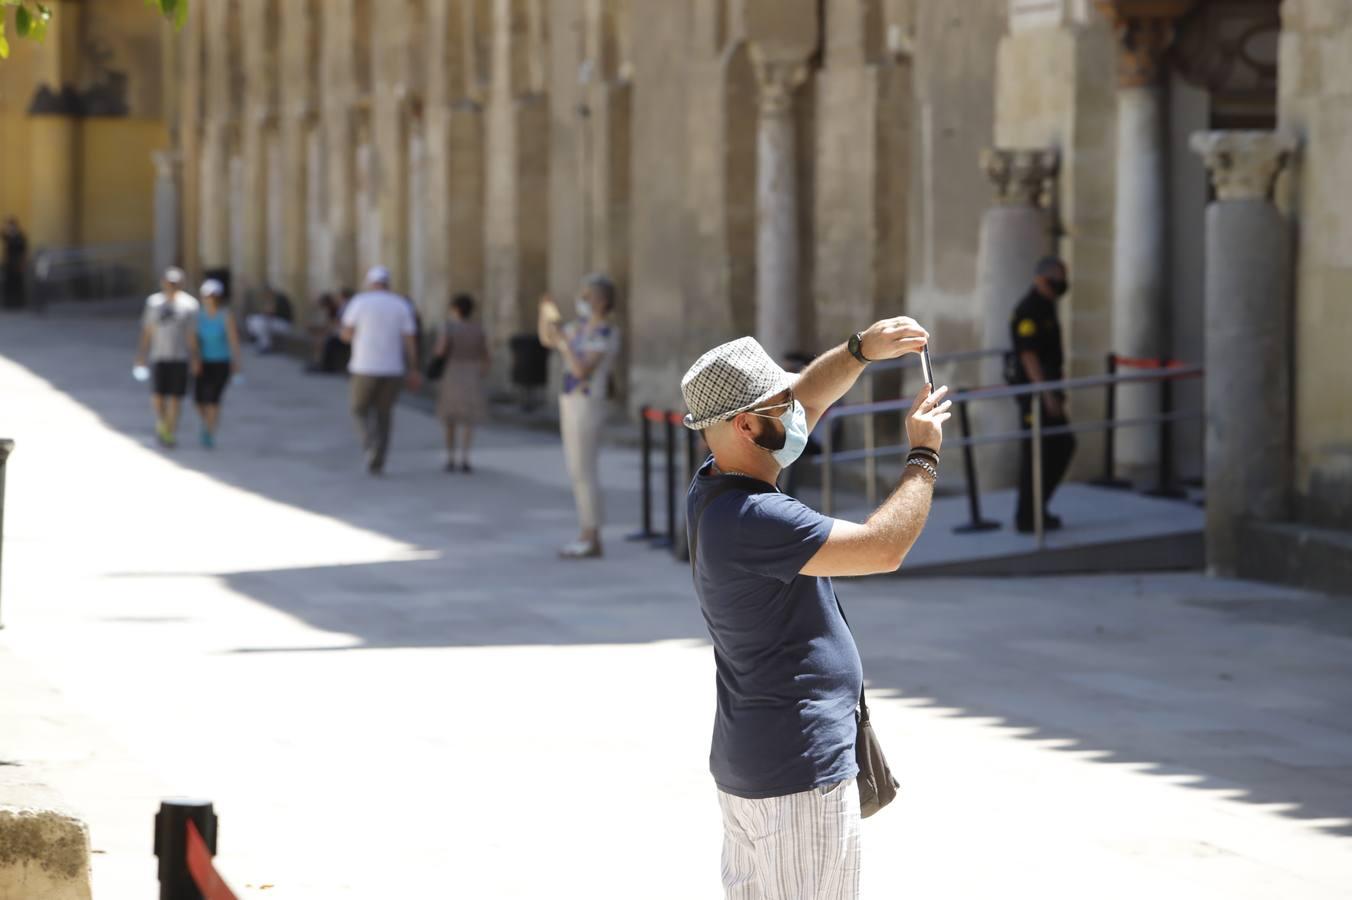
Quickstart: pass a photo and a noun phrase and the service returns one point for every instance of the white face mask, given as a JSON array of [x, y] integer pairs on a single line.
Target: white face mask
[[584, 308], [794, 420]]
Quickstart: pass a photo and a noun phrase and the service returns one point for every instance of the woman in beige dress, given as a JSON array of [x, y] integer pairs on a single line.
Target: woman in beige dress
[[590, 346], [461, 401]]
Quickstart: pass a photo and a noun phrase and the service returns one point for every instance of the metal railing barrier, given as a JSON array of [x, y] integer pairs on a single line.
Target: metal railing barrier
[[1166, 373]]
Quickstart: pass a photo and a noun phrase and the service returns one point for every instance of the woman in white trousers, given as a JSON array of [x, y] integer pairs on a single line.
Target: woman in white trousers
[[589, 346]]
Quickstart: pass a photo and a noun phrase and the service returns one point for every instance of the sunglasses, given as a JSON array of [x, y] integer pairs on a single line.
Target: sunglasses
[[764, 411]]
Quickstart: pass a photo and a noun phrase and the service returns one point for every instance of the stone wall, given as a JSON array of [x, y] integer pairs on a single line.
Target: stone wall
[[953, 48], [1316, 103]]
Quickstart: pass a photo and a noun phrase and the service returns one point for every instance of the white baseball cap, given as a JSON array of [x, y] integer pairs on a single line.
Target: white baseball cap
[[174, 275], [730, 379], [378, 275], [212, 288]]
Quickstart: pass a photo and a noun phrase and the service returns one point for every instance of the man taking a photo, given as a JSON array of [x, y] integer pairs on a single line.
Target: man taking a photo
[[789, 676]]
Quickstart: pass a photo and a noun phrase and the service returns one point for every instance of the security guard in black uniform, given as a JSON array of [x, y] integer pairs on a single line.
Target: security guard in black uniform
[[1038, 355]]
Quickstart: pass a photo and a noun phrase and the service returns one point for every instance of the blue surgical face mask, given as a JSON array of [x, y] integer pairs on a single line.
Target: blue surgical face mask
[[794, 420]]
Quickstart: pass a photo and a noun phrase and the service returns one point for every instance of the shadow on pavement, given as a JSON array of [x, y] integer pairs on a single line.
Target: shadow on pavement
[[1228, 686]]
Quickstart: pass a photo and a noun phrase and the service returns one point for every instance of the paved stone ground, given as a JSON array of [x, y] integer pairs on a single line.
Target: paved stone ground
[[391, 688]]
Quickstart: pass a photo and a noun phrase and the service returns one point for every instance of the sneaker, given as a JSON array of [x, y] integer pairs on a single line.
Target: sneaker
[[464, 467], [580, 550], [450, 466], [208, 439]]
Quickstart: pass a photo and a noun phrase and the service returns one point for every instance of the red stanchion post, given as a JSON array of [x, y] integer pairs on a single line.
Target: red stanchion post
[[171, 845], [664, 541], [645, 476], [976, 523], [1166, 485], [1109, 478]]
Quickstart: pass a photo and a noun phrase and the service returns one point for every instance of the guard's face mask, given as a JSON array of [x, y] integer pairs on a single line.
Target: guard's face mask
[[1059, 286]]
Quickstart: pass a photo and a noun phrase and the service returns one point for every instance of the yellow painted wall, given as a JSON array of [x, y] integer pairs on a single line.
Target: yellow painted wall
[[16, 87], [117, 197], [89, 179]]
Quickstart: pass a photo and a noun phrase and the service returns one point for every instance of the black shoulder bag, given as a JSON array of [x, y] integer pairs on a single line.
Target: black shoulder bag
[[877, 786]]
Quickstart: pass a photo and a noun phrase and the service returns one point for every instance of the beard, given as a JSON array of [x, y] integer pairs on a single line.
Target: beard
[[771, 438]]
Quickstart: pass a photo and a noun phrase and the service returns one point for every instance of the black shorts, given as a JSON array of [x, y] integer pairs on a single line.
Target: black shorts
[[210, 385], [170, 379]]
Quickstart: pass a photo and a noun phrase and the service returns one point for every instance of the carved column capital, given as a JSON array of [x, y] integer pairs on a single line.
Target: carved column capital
[[1244, 165], [1020, 175], [778, 79], [1145, 31]]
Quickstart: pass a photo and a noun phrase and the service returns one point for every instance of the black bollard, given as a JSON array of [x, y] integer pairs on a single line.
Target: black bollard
[[976, 523], [6, 448], [645, 532], [664, 541], [1109, 478], [171, 844], [1167, 485]]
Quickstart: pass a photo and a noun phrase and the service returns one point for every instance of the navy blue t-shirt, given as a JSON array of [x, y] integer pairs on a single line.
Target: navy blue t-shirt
[[789, 673]]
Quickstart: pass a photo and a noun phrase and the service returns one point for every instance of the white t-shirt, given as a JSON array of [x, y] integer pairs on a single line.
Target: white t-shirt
[[169, 324], [380, 320]]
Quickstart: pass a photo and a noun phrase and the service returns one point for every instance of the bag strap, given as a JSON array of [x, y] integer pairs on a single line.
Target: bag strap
[[730, 483]]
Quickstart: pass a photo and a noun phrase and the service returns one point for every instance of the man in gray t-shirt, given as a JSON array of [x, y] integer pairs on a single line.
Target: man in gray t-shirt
[[169, 344]]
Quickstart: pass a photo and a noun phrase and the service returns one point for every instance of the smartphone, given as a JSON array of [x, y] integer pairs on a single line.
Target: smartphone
[[926, 366]]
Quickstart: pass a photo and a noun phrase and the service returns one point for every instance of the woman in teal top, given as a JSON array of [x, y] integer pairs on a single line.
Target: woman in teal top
[[218, 343]]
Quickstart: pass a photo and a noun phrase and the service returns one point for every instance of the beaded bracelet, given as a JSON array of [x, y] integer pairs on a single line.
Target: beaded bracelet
[[924, 465], [926, 452]]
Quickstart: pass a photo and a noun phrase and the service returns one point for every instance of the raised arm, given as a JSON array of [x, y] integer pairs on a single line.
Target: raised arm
[[881, 543], [834, 372]]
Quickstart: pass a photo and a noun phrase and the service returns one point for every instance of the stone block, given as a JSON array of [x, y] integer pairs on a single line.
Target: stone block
[[781, 29], [44, 854]]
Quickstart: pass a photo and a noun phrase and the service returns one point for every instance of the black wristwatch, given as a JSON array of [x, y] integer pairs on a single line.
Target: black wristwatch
[[856, 348]]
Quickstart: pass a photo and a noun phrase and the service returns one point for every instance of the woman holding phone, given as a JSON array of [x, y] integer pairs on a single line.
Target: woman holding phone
[[589, 345]]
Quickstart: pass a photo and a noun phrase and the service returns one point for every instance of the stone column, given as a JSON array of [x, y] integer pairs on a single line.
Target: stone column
[[1015, 234], [1140, 316], [777, 307], [166, 248], [1248, 369]]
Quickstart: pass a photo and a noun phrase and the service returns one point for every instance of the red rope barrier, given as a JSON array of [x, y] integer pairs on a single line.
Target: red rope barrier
[[1134, 362], [203, 872], [655, 415]]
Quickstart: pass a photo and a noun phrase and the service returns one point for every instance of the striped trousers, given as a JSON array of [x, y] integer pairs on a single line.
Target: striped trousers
[[799, 847]]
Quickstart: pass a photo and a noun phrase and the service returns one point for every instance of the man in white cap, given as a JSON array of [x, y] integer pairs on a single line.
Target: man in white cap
[[169, 343], [789, 677], [381, 327]]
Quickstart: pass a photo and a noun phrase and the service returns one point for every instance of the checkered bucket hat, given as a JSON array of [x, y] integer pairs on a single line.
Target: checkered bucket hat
[[730, 379]]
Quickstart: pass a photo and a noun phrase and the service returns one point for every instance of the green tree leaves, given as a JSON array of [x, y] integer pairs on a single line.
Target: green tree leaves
[[30, 21], [174, 10], [31, 18]]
